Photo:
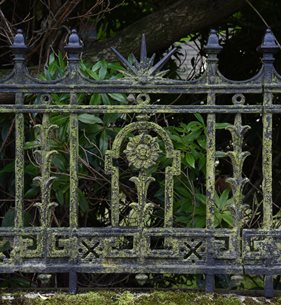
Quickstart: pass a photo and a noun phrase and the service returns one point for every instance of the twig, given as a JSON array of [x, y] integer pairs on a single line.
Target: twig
[[262, 19], [8, 27], [8, 135]]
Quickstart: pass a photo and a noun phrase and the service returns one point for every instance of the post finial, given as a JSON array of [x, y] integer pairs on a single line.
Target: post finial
[[74, 46], [213, 45], [269, 43], [19, 47]]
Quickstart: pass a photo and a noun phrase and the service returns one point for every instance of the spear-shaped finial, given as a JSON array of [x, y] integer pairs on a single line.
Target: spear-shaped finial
[[213, 46], [143, 49], [269, 44]]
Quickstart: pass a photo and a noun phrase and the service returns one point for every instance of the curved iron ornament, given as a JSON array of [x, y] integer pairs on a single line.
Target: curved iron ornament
[[142, 152], [135, 249]]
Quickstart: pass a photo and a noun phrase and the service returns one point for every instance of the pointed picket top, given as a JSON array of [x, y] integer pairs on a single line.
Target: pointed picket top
[[213, 45], [144, 68], [269, 43], [124, 61], [143, 50]]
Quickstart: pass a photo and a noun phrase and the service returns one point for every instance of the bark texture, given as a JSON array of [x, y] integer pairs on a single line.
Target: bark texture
[[166, 26]]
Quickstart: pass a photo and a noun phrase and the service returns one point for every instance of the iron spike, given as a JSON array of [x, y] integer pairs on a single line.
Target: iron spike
[[124, 61], [143, 50], [161, 63]]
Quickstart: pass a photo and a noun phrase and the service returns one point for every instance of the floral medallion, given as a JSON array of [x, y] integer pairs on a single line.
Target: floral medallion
[[142, 151]]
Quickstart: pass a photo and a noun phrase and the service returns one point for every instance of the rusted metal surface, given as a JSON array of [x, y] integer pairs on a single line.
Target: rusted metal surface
[[210, 250]]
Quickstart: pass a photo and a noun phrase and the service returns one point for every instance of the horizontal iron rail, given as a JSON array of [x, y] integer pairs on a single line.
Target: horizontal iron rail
[[142, 249], [121, 87], [128, 267], [140, 109]]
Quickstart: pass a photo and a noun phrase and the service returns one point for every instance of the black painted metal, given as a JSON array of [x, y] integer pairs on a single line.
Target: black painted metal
[[207, 250]]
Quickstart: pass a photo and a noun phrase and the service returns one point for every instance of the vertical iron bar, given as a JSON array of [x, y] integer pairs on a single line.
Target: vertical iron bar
[[210, 182], [210, 283], [115, 197], [45, 213], [19, 164], [267, 164], [73, 172], [210, 164], [268, 47], [73, 49], [72, 287], [169, 187], [74, 154], [267, 183], [268, 286], [213, 49], [19, 49]]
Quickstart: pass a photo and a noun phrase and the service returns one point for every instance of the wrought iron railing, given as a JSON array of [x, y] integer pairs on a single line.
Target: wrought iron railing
[[208, 251]]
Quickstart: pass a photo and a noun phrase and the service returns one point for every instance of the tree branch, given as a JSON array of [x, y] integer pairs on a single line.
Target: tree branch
[[164, 27]]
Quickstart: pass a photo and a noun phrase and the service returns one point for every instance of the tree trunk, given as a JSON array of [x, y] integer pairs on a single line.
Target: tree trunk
[[164, 27]]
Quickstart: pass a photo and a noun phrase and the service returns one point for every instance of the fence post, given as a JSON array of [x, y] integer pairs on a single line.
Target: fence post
[[73, 49], [268, 47], [19, 49], [212, 49]]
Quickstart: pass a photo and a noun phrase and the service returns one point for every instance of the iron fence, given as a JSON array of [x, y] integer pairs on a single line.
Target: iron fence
[[209, 250]]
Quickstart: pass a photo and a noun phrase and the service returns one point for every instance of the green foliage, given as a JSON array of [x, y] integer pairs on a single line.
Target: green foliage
[[190, 199], [96, 133], [223, 203], [130, 298]]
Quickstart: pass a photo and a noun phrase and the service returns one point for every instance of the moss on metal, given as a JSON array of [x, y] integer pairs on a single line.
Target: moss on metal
[[183, 250], [267, 164], [130, 298], [43, 157], [142, 151]]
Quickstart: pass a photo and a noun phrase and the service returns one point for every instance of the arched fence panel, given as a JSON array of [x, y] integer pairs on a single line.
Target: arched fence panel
[[121, 248]]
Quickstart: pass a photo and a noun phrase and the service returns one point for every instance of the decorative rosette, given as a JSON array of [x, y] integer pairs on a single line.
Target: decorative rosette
[[142, 151]]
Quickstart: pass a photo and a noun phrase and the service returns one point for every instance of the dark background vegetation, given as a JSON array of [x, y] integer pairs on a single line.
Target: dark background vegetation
[[102, 24]]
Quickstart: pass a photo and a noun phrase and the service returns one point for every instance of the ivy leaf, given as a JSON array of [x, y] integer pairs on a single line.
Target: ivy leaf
[[32, 192], [199, 118], [31, 144], [118, 97], [96, 66], [9, 168], [201, 197], [83, 202], [103, 143], [60, 197], [95, 99], [9, 218], [190, 160], [103, 70], [227, 217], [202, 142], [105, 99], [222, 125], [89, 119], [59, 162]]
